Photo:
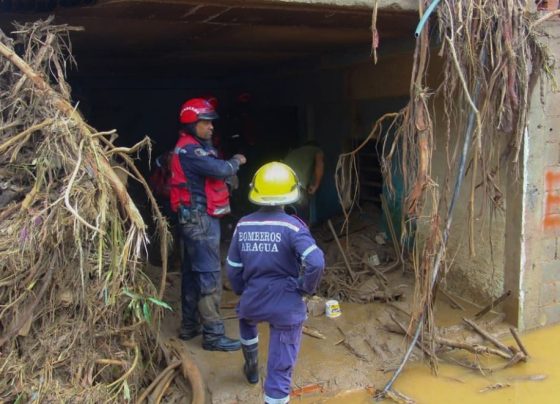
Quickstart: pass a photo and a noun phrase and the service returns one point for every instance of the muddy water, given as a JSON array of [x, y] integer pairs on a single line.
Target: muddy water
[[533, 382]]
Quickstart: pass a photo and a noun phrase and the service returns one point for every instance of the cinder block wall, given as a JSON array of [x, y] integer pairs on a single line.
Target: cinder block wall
[[533, 236], [548, 260]]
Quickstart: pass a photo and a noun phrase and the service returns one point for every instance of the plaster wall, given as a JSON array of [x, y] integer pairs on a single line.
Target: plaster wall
[[535, 276], [476, 277]]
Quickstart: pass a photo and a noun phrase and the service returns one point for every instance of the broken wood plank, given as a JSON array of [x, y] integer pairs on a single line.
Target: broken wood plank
[[493, 387], [489, 337], [452, 300], [492, 304], [474, 348], [518, 340], [352, 275], [313, 332]]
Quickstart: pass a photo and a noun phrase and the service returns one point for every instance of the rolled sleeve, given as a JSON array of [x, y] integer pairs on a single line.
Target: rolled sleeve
[[198, 160]]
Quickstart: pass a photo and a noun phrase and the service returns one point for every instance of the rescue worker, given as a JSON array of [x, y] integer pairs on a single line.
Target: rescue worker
[[273, 261], [308, 163], [200, 197]]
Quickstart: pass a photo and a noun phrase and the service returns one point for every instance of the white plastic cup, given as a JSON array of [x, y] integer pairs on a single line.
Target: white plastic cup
[[332, 309]]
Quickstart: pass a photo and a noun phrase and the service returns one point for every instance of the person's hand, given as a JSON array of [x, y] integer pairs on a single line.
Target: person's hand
[[311, 189], [241, 158]]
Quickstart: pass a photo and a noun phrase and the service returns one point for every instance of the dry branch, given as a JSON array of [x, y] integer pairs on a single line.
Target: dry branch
[[489, 337], [190, 372], [490, 58], [492, 304], [72, 240], [518, 340]]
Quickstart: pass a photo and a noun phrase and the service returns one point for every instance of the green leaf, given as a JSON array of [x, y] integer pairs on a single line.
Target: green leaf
[[160, 303], [20, 398], [133, 296], [138, 311], [126, 391], [146, 309]]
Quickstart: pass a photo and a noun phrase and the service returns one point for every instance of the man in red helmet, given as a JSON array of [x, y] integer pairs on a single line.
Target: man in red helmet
[[200, 197]]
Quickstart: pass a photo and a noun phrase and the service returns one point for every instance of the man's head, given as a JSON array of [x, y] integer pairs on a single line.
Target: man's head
[[197, 115]]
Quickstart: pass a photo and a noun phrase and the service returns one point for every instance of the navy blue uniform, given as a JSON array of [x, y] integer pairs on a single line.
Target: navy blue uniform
[[272, 262], [201, 280]]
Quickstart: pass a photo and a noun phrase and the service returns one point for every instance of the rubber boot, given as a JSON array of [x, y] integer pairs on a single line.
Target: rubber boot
[[251, 366], [189, 332], [221, 343], [214, 339]]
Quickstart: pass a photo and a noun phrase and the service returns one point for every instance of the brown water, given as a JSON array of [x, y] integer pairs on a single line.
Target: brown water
[[536, 381]]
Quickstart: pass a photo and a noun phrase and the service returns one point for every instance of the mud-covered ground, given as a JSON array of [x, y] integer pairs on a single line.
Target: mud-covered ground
[[325, 366]]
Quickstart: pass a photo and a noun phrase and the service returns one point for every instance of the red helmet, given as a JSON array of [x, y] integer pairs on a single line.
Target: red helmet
[[196, 109], [213, 100]]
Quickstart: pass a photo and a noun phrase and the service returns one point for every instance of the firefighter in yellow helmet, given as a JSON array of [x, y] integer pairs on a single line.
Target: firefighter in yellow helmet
[[273, 261]]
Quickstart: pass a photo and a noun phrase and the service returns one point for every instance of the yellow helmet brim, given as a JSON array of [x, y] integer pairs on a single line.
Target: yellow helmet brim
[[265, 200]]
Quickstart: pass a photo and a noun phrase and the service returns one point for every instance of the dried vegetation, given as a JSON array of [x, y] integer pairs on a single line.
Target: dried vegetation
[[491, 56], [75, 308]]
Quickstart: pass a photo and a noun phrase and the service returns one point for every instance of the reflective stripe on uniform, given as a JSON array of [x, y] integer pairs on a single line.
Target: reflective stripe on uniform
[[270, 223], [248, 342], [234, 264], [270, 400], [308, 251], [232, 169]]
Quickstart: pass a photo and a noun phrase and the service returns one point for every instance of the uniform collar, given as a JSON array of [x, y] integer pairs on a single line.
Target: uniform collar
[[199, 140]]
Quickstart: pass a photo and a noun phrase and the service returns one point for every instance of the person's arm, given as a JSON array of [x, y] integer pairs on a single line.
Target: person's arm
[[202, 162], [312, 261], [318, 172], [234, 266]]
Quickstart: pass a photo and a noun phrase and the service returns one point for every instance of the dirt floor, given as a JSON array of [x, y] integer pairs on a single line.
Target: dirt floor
[[343, 361], [360, 349]]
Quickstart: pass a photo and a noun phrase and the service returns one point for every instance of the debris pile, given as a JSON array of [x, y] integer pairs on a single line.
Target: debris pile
[[76, 309], [357, 261]]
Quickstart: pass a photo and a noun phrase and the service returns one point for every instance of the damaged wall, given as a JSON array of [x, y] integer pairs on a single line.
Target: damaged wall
[[477, 278], [534, 274]]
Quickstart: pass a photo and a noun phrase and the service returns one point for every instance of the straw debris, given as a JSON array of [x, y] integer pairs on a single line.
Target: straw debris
[[76, 311]]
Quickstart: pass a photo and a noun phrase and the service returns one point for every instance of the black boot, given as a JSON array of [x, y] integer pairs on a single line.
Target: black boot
[[251, 366], [221, 343], [188, 333], [214, 339]]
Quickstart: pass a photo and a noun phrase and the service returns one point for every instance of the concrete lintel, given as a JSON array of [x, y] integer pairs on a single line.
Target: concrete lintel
[[390, 5]]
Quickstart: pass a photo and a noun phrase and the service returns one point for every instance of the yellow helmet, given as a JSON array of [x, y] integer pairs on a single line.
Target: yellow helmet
[[274, 184]]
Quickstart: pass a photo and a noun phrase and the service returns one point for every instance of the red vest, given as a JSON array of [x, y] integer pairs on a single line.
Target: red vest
[[216, 191]]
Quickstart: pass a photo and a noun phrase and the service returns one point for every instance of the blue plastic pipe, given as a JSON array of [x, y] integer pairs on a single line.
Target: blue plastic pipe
[[425, 17]]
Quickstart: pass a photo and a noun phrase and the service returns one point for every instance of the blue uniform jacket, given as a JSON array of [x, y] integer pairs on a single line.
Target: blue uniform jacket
[[272, 261], [199, 161]]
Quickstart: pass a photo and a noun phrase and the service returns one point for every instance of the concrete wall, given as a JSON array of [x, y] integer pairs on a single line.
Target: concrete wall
[[402, 5], [479, 277], [535, 230]]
